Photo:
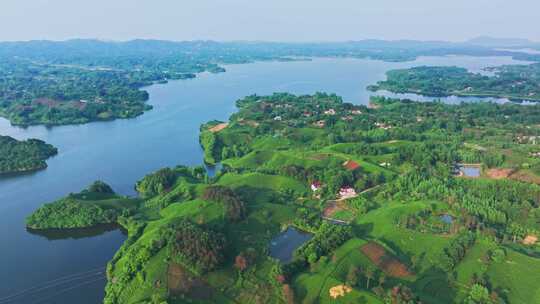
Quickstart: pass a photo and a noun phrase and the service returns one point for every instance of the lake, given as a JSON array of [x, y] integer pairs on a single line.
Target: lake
[[447, 218], [470, 170], [61, 269], [284, 244]]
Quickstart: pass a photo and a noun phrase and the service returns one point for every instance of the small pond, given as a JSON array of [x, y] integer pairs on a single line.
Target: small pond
[[447, 218], [213, 170], [469, 171], [284, 244]]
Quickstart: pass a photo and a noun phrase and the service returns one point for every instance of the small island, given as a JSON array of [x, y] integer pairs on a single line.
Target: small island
[[23, 156], [96, 205], [515, 82], [322, 201]]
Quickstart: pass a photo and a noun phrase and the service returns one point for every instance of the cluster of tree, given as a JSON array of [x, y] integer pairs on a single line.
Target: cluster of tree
[[401, 294], [427, 154], [327, 238], [479, 294], [158, 182], [419, 117], [234, 151], [363, 148], [294, 111], [370, 273], [456, 250], [234, 207], [508, 208], [50, 94], [70, 213], [198, 249], [424, 220], [245, 259], [500, 204], [333, 174], [135, 256], [490, 160], [210, 147], [513, 81], [20, 156], [99, 187], [183, 190], [82, 210], [308, 219]]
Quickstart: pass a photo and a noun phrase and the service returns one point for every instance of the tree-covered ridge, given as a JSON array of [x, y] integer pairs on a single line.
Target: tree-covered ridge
[[377, 187], [96, 205], [516, 82], [22, 156]]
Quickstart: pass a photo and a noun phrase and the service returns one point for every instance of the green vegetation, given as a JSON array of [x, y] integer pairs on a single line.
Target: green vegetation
[[79, 81], [23, 156], [196, 248], [390, 170], [94, 206], [516, 82], [156, 183]]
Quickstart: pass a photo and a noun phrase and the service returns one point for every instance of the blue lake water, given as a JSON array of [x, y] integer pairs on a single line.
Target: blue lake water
[[447, 218], [470, 171], [121, 152], [283, 245]]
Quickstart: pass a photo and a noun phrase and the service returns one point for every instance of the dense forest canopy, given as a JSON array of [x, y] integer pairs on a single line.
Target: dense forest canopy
[[22, 156], [516, 82], [96, 205]]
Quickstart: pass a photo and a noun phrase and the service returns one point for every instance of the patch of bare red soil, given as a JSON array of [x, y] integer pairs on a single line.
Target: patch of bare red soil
[[530, 239], [332, 207], [527, 177], [46, 102], [351, 165], [499, 173], [218, 127], [385, 261], [182, 282]]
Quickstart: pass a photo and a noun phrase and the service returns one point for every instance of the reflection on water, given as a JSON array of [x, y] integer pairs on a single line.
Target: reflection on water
[[447, 218], [6, 176], [284, 244], [212, 170], [453, 99], [470, 171], [75, 233]]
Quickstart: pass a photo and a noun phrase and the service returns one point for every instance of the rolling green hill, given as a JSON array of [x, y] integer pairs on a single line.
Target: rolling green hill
[[418, 231]]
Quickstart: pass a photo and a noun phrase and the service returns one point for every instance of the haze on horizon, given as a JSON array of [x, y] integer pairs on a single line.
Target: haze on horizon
[[275, 20]]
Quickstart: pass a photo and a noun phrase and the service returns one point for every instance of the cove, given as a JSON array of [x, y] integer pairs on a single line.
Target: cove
[[121, 152]]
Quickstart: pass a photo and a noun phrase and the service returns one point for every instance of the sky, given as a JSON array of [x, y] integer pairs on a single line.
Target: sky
[[269, 20]]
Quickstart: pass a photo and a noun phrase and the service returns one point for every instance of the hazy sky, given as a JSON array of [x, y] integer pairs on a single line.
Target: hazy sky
[[274, 20]]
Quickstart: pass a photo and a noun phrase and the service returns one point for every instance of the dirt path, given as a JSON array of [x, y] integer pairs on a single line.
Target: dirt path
[[218, 127]]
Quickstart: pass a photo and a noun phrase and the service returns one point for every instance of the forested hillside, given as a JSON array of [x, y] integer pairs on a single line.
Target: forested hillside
[[22, 156], [515, 82]]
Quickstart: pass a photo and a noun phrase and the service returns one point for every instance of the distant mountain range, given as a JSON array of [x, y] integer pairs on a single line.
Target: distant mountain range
[[111, 53], [488, 41]]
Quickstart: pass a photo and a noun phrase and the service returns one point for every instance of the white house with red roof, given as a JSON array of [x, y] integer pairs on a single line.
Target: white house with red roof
[[347, 192]]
